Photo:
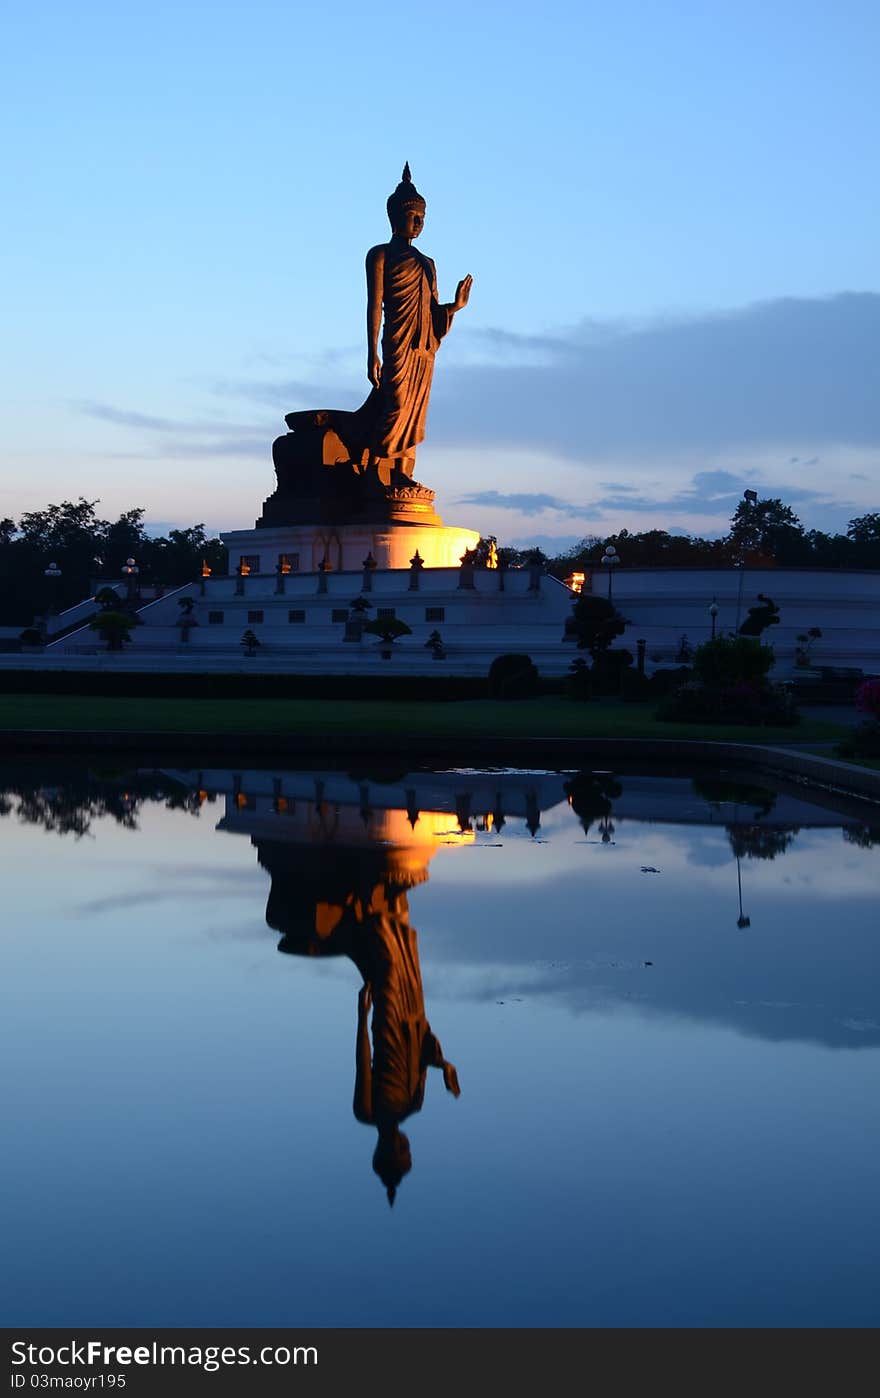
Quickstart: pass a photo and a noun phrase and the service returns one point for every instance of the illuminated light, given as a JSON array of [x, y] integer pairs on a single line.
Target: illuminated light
[[202, 796], [281, 804], [206, 571], [241, 800], [285, 567], [575, 582], [244, 569]]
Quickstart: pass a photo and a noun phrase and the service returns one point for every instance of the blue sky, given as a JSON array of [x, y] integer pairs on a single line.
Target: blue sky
[[670, 214]]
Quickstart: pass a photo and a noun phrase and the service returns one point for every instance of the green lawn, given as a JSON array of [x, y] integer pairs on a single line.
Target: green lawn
[[531, 718]]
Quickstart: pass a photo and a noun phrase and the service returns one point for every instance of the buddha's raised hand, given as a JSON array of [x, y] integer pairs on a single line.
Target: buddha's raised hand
[[462, 292]]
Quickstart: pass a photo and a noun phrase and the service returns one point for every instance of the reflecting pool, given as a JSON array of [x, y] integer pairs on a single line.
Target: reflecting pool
[[623, 1074]]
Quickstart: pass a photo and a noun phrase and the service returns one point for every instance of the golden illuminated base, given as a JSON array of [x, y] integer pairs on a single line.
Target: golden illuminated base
[[345, 547]]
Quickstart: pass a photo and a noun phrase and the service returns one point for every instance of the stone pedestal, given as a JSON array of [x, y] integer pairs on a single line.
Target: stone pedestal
[[345, 546]]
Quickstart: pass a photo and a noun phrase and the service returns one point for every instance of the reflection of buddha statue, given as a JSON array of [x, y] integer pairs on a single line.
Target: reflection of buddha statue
[[352, 902], [402, 296]]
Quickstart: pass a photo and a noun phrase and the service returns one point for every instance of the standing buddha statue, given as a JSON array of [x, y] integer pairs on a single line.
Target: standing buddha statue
[[402, 298]]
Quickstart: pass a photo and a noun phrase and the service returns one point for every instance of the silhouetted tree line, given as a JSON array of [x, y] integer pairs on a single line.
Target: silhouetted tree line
[[765, 534], [87, 549], [68, 804]]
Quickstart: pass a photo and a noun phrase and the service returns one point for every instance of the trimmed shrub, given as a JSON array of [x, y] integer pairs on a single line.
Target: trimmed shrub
[[753, 704], [732, 660], [634, 687], [664, 682], [868, 698], [863, 741], [512, 676], [608, 670]]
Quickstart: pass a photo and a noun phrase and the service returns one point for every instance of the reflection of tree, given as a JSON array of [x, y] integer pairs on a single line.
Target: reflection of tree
[[334, 901], [70, 805], [590, 795], [721, 791], [760, 841], [865, 836]]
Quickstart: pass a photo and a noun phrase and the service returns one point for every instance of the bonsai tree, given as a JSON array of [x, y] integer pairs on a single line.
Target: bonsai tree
[[250, 642], [435, 645], [114, 627], [579, 682], [359, 606], [107, 599], [388, 629], [805, 642]]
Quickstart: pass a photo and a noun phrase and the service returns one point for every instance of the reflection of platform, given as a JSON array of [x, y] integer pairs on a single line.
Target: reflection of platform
[[451, 807], [418, 811]]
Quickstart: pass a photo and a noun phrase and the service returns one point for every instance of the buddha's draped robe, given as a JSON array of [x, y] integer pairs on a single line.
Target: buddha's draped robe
[[388, 957], [414, 325]]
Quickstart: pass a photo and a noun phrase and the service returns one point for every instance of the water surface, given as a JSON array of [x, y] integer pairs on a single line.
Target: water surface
[[659, 995]]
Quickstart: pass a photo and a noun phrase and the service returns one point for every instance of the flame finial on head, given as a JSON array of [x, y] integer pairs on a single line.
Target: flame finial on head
[[405, 196]]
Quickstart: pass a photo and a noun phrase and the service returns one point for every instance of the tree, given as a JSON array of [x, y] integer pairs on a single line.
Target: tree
[[760, 841], [767, 528], [486, 552], [114, 627], [865, 529], [250, 641], [126, 538], [864, 539], [595, 623], [590, 795]]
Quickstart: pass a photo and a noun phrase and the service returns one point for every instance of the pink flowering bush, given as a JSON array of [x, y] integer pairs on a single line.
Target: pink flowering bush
[[864, 740], [868, 698]]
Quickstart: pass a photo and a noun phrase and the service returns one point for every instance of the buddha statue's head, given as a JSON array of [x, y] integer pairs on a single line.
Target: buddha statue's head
[[406, 208]]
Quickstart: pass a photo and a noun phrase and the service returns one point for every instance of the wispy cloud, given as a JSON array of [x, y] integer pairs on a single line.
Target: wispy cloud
[[525, 503], [783, 372], [184, 437], [709, 492]]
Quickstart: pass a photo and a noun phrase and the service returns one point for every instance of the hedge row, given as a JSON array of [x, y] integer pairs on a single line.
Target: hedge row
[[159, 685]]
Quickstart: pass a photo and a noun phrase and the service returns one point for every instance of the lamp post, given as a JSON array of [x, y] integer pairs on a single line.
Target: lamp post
[[130, 572], [610, 558], [743, 920], [751, 498], [53, 573], [713, 613]]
